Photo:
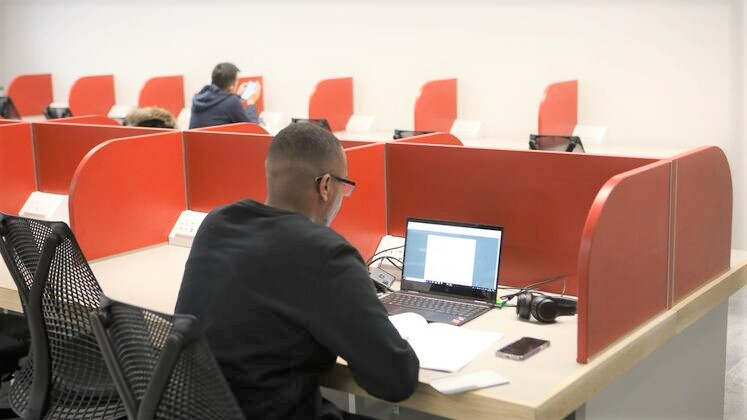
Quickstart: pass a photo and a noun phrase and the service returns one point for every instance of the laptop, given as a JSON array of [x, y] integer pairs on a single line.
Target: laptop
[[450, 271]]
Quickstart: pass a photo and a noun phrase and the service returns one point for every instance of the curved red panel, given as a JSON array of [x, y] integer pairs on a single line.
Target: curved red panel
[[558, 110], [260, 104], [92, 95], [224, 167], [333, 100], [59, 148], [362, 217], [16, 166], [702, 218], [166, 92], [85, 119], [623, 261], [541, 199], [436, 106], [119, 203], [247, 128], [31, 93], [434, 138]]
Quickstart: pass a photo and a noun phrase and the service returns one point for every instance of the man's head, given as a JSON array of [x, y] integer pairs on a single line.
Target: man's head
[[224, 76], [307, 172]]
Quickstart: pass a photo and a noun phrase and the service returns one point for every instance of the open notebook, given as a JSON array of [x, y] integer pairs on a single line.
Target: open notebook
[[442, 346]]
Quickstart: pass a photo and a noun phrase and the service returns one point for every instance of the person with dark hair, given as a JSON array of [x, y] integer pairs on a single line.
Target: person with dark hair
[[281, 295], [217, 103]]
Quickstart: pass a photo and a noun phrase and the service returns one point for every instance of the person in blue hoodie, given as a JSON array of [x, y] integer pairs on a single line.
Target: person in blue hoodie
[[217, 103]]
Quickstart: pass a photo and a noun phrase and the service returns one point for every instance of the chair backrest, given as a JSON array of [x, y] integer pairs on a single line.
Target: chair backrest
[[68, 372], [21, 241], [570, 144], [320, 122], [161, 364]]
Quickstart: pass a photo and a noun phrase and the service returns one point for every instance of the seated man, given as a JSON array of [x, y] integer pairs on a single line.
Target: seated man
[[218, 103], [281, 295]]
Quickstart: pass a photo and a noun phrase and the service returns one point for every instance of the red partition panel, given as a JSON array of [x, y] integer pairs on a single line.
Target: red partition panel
[[86, 119], [333, 99], [702, 218], [434, 138], [247, 128], [10, 121], [92, 95], [558, 109], [166, 92], [623, 264], [31, 93], [362, 217], [541, 199], [59, 148], [347, 144], [119, 203], [260, 104], [17, 178], [436, 106], [224, 167]]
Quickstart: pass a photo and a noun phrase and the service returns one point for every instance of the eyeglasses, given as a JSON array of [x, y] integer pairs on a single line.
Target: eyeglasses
[[347, 185]]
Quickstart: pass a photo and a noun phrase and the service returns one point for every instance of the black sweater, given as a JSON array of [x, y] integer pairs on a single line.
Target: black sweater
[[214, 106], [280, 297]]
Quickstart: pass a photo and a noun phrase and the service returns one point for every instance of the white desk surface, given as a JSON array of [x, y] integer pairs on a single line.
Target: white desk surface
[[151, 278], [633, 150]]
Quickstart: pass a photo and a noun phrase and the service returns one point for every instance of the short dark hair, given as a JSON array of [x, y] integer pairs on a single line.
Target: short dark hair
[[305, 142], [224, 74]]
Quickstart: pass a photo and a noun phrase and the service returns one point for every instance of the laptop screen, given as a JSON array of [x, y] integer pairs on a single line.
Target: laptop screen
[[452, 258]]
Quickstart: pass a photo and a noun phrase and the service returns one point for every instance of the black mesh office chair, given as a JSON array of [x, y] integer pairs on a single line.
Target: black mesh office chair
[[571, 144], [401, 134], [161, 364], [64, 375], [320, 122]]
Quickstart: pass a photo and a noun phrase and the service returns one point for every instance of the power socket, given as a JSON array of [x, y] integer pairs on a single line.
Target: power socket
[[185, 228], [388, 242], [46, 206]]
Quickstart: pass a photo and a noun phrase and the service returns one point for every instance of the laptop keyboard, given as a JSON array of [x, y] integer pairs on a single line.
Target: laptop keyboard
[[457, 309]]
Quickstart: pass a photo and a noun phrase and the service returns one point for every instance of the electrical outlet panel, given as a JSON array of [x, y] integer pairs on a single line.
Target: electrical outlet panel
[[388, 242], [46, 206], [185, 228]]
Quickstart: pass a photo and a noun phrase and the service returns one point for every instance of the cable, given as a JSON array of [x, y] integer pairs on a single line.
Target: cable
[[533, 286], [370, 260]]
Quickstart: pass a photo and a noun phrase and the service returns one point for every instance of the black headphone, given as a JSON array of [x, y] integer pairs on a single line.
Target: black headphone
[[542, 307]]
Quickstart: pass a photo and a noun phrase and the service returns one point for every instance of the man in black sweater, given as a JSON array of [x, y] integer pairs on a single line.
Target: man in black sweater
[[281, 295], [217, 103]]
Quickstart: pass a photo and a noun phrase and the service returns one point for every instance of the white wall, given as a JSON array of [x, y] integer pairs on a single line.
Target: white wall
[[655, 72]]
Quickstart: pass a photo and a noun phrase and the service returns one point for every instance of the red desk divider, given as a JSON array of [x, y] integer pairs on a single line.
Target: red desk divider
[[347, 144], [224, 167], [541, 199], [85, 119], [166, 92], [702, 218], [436, 106], [362, 217], [247, 128], [59, 148], [127, 194], [16, 166], [92, 95], [558, 109], [623, 267], [433, 138], [31, 93], [260, 104], [10, 121], [333, 100]]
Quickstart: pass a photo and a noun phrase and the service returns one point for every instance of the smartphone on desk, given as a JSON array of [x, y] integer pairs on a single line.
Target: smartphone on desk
[[522, 348], [250, 87]]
